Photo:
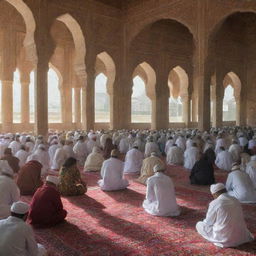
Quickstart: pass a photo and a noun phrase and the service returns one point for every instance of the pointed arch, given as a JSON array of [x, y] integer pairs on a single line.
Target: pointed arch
[[29, 41], [80, 46]]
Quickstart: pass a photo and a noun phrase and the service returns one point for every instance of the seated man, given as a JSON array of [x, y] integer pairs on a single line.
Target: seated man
[[16, 236], [9, 192], [46, 206], [160, 198], [202, 173], [151, 146], [240, 186], [112, 173], [94, 161], [191, 155], [29, 179], [175, 155], [224, 160], [251, 170], [224, 224], [235, 151], [12, 160], [133, 160], [147, 167]]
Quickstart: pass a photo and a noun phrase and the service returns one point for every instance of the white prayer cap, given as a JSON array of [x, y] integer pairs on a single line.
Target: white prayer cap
[[20, 207], [135, 144], [253, 158], [153, 154], [41, 146], [217, 187], [158, 167], [5, 167], [53, 179], [235, 167]]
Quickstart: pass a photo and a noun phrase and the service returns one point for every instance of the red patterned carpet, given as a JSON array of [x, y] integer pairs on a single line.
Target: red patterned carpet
[[114, 223]]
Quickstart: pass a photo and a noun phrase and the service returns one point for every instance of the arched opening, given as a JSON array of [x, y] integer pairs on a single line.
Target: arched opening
[[102, 113], [141, 103], [54, 97], [178, 101]]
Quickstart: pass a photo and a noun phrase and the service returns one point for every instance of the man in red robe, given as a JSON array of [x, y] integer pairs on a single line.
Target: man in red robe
[[46, 208]]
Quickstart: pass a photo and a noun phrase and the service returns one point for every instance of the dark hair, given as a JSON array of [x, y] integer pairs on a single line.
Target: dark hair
[[222, 148], [17, 215], [69, 162], [23, 147]]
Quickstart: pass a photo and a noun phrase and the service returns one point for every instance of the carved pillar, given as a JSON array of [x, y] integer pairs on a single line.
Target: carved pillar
[[186, 109], [77, 105], [194, 108]]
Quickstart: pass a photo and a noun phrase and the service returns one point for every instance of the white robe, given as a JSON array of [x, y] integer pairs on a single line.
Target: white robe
[[175, 156], [30, 145], [51, 151], [251, 171], [168, 144], [220, 143], [112, 175], [14, 146], [93, 162], [133, 161], [123, 145], [80, 150], [181, 142], [3, 146], [240, 186], [59, 159], [243, 141], [160, 197], [235, 151], [252, 144], [9, 193], [17, 238], [90, 145], [22, 155], [150, 148], [69, 151], [224, 160], [191, 155], [224, 224]]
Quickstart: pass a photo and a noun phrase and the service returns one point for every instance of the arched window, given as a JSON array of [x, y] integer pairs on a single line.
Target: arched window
[[102, 113], [229, 104], [141, 104], [54, 102], [16, 97]]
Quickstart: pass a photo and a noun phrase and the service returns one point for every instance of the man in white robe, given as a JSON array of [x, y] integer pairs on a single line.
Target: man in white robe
[[169, 143], [9, 191], [252, 143], [52, 149], [191, 156], [224, 224], [16, 236], [235, 151], [68, 147], [123, 145], [240, 186], [15, 145], [94, 161], [80, 150], [112, 173], [160, 196], [224, 160], [151, 147], [22, 155], [148, 166], [133, 160], [220, 143], [59, 157], [91, 143], [251, 170], [29, 144], [175, 155], [181, 142]]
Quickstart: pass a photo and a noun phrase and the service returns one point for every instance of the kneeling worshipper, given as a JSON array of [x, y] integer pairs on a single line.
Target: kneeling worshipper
[[133, 160], [94, 161], [16, 236], [224, 224], [224, 160], [202, 172], [175, 155], [191, 155], [46, 207], [22, 155], [148, 166], [29, 179], [240, 186], [151, 146], [235, 151], [251, 170], [9, 191], [160, 197], [60, 157], [112, 173], [12, 160], [71, 183]]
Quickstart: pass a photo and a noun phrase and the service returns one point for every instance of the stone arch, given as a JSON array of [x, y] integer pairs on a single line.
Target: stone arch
[[109, 70], [148, 75], [141, 26], [29, 41], [58, 74], [80, 46]]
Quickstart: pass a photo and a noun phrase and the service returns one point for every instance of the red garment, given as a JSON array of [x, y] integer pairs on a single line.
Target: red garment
[[29, 179], [46, 208]]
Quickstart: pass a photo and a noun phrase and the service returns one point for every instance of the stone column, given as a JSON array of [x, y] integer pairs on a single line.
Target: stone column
[[88, 116], [186, 110], [25, 81], [194, 108], [238, 111], [77, 105]]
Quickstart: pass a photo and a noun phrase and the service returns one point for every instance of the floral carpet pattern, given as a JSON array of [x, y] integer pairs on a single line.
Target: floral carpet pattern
[[115, 224]]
